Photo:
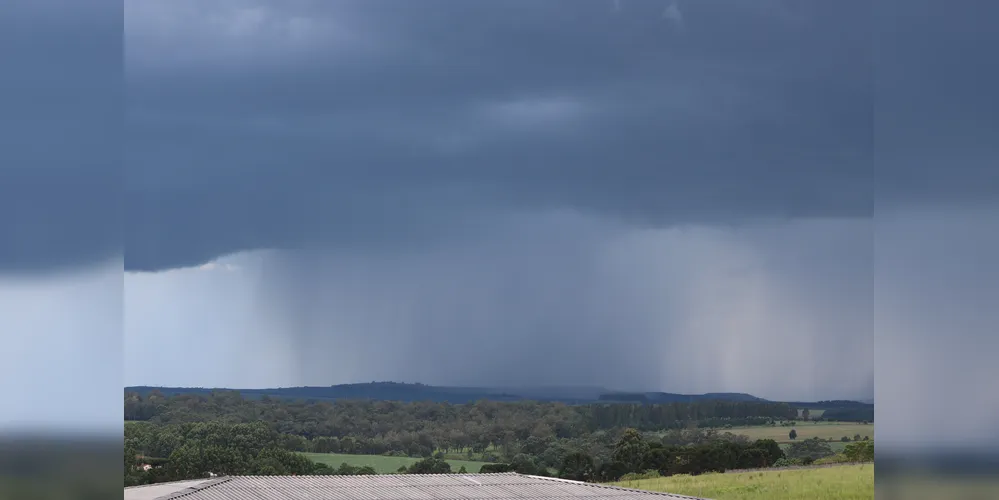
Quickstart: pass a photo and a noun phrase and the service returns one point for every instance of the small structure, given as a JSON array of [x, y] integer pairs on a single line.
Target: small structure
[[506, 486]]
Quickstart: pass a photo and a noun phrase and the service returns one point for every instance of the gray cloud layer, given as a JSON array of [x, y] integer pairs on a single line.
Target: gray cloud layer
[[349, 116], [366, 121], [60, 135]]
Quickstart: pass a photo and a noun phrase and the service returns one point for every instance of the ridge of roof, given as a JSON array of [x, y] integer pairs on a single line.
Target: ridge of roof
[[164, 483], [196, 488], [618, 488]]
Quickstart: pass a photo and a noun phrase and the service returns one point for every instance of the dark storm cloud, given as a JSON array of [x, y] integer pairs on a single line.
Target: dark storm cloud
[[60, 134], [304, 123], [270, 124], [936, 107]]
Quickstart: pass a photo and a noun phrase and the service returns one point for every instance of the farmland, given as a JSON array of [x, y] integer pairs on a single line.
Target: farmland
[[807, 430], [846, 482], [383, 464]]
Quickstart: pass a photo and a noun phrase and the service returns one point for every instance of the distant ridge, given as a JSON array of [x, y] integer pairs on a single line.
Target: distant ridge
[[394, 391], [667, 397]]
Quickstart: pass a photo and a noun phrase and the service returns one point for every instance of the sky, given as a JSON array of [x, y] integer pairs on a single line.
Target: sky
[[687, 196], [452, 192]]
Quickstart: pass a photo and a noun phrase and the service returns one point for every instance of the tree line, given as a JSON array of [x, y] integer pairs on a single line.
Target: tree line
[[224, 433], [634, 454], [450, 426], [194, 450]]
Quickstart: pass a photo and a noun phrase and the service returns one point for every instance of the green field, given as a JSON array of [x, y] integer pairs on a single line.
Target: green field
[[806, 430], [846, 482], [383, 464]]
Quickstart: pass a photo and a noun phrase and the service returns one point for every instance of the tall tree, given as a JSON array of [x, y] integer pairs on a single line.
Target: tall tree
[[630, 449], [577, 466]]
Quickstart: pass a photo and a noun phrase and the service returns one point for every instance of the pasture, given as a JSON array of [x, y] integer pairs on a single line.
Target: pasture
[[807, 430], [845, 482], [384, 464]]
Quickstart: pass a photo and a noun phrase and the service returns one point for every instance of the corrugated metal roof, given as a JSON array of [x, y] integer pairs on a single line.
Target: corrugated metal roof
[[160, 490], [507, 486]]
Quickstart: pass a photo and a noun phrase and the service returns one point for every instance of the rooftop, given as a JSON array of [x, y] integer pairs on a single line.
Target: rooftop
[[508, 486]]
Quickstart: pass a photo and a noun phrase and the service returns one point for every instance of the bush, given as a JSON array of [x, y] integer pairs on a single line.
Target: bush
[[813, 448], [838, 458], [496, 468], [860, 451], [787, 462], [635, 476], [430, 466]]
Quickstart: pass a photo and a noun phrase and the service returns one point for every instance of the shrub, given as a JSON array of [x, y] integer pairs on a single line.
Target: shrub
[[838, 458], [496, 468], [860, 451], [635, 476], [787, 462]]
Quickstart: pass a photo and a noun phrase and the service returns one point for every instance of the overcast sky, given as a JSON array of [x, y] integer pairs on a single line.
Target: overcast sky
[[670, 196], [684, 195]]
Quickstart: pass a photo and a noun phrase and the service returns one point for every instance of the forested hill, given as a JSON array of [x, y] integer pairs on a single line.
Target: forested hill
[[391, 391]]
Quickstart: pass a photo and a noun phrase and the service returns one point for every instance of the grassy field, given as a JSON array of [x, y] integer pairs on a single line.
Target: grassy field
[[383, 464], [847, 482], [806, 430]]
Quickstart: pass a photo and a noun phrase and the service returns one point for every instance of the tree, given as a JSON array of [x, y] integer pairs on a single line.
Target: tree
[[523, 463], [432, 465], [496, 468], [577, 466], [771, 450], [284, 462], [859, 451], [813, 448], [346, 469], [612, 471], [630, 450], [131, 471], [793, 434], [805, 414]]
